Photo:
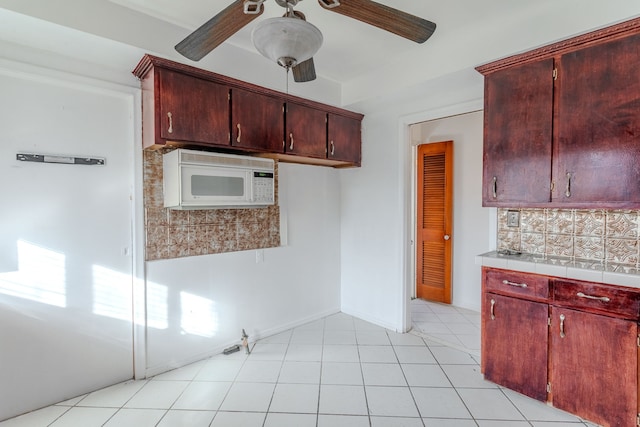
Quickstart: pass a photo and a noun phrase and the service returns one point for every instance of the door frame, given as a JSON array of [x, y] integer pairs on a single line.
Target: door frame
[[407, 191]]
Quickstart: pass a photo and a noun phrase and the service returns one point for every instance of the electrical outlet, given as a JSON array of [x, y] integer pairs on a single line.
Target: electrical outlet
[[259, 256], [513, 218]]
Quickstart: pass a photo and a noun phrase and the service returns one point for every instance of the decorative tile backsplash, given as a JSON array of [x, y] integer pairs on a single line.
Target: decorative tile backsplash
[[173, 233], [607, 236]]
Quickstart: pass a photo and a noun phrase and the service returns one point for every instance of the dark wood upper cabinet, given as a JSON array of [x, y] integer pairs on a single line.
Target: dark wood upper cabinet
[[306, 133], [562, 124], [518, 135], [597, 155], [343, 139], [257, 121], [189, 107]]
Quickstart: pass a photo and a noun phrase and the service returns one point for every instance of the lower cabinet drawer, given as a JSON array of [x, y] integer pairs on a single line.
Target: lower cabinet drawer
[[596, 297], [515, 283]]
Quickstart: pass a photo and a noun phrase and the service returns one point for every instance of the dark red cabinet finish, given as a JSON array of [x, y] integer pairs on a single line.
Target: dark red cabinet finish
[[306, 133], [191, 109], [514, 349], [257, 121], [518, 135], [597, 155], [562, 124], [186, 106], [574, 344], [594, 366], [343, 139]]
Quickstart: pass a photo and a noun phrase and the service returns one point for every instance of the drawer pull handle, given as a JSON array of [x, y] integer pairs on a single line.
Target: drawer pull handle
[[568, 191], [170, 117], [291, 139], [603, 299], [562, 334], [239, 133], [493, 314], [519, 285]]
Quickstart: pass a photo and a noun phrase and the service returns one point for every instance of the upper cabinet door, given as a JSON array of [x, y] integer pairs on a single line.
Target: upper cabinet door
[[306, 131], [344, 139], [597, 158], [191, 109], [257, 121], [518, 135]]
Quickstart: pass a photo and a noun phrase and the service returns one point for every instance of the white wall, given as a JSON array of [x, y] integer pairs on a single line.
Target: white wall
[[296, 283], [65, 238], [377, 217]]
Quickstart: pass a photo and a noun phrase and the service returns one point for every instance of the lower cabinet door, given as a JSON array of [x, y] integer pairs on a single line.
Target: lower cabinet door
[[594, 366], [514, 344]]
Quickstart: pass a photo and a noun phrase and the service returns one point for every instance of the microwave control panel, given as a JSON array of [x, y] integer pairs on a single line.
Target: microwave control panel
[[263, 183]]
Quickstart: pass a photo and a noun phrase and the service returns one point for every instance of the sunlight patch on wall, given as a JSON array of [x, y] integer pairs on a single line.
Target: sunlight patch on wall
[[40, 277], [112, 296], [198, 315], [157, 309]]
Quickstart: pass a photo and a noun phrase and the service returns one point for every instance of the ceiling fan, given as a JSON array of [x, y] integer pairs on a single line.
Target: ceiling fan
[[291, 41]]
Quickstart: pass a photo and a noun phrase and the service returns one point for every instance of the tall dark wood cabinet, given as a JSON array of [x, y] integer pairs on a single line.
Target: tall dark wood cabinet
[[518, 135], [597, 154], [562, 124]]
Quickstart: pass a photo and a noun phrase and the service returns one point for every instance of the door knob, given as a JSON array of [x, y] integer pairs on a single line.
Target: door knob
[[447, 237]]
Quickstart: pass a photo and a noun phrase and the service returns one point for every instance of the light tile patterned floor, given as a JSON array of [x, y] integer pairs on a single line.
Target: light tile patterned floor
[[338, 371]]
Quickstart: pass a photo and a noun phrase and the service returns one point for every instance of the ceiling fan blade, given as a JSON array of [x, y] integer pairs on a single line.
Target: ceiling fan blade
[[304, 71], [387, 18], [216, 30]]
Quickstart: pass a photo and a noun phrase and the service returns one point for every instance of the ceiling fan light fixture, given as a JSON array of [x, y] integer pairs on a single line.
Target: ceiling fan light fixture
[[287, 41]]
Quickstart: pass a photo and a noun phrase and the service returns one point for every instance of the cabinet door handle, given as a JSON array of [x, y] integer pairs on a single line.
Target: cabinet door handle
[[583, 295], [493, 314], [495, 187], [170, 117], [291, 143], [333, 148], [518, 285], [568, 191], [562, 334], [239, 133]]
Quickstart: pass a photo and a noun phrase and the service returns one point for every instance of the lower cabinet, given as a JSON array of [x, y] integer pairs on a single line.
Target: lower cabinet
[[510, 326], [575, 346], [594, 366]]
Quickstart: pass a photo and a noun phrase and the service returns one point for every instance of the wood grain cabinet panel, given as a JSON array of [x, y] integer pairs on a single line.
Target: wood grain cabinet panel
[[343, 138], [306, 131], [597, 154], [594, 366], [514, 349], [191, 109], [257, 121], [518, 135]]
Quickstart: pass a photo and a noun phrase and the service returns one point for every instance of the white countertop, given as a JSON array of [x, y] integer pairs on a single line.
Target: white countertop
[[591, 271]]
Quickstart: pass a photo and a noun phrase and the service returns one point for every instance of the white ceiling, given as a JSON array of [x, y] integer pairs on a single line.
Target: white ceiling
[[360, 60]]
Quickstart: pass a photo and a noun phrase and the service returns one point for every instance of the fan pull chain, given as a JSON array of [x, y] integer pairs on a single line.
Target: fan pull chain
[[287, 79]]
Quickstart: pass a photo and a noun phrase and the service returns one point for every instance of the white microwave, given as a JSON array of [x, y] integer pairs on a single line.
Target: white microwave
[[203, 180]]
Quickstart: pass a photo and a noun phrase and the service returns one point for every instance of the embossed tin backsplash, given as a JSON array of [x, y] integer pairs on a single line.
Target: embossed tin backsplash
[[179, 233], [607, 236]]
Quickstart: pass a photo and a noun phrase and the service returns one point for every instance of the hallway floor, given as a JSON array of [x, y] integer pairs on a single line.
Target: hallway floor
[[337, 371]]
